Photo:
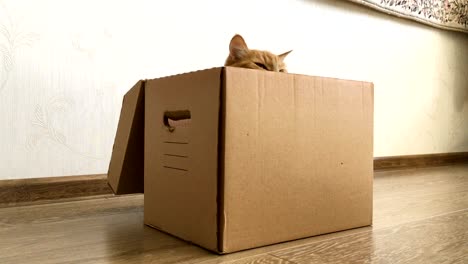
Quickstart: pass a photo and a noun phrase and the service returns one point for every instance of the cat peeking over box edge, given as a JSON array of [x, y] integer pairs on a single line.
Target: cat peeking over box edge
[[241, 56]]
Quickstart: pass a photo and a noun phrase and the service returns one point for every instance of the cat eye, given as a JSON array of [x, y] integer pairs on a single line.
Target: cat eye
[[261, 65]]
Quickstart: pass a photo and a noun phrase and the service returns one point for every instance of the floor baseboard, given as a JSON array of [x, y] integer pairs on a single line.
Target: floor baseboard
[[14, 192], [418, 161], [45, 190]]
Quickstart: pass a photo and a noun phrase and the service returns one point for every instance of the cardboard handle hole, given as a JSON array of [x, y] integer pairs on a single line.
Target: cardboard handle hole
[[174, 119]]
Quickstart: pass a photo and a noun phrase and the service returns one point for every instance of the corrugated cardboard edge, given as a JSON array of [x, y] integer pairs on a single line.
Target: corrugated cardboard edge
[[125, 172], [185, 240], [221, 137], [371, 217], [189, 72]]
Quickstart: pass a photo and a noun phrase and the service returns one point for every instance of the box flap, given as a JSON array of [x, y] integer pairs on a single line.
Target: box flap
[[125, 174]]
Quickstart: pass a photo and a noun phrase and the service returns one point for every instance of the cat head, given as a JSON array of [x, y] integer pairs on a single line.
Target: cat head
[[241, 56]]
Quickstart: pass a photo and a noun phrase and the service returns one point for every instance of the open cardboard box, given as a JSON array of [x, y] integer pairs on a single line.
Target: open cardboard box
[[232, 159]]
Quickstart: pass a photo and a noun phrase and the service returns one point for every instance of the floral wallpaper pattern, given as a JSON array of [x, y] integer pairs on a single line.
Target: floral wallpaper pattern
[[45, 122], [446, 14], [12, 38], [57, 115]]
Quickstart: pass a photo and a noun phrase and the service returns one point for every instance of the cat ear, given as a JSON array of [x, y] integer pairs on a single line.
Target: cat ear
[[237, 47], [283, 55]]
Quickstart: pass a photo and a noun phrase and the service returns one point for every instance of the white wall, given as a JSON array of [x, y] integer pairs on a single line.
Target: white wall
[[66, 65]]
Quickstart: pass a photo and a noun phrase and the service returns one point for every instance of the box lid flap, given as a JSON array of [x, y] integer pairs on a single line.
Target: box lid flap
[[125, 174]]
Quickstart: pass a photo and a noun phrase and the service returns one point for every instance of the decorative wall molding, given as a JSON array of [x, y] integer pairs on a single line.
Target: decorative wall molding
[[444, 14]]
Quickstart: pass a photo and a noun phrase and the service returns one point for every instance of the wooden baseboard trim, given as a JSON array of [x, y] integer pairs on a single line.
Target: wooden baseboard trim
[[45, 190], [37, 190], [418, 161]]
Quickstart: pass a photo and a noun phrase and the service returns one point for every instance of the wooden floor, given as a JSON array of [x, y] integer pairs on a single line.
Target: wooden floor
[[420, 216]]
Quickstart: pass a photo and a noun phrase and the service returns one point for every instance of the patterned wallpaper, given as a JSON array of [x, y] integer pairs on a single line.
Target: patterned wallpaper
[[65, 65], [57, 106]]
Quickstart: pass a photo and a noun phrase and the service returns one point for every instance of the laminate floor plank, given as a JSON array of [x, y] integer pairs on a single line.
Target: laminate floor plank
[[420, 216], [415, 194], [441, 239], [57, 212]]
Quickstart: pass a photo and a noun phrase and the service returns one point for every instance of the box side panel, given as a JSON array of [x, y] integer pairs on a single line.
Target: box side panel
[[181, 144], [298, 157], [125, 173]]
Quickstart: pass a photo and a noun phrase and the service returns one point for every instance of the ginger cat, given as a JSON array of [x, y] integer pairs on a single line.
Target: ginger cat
[[241, 56]]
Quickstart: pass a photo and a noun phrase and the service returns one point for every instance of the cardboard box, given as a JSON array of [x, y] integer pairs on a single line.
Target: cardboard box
[[237, 158]]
